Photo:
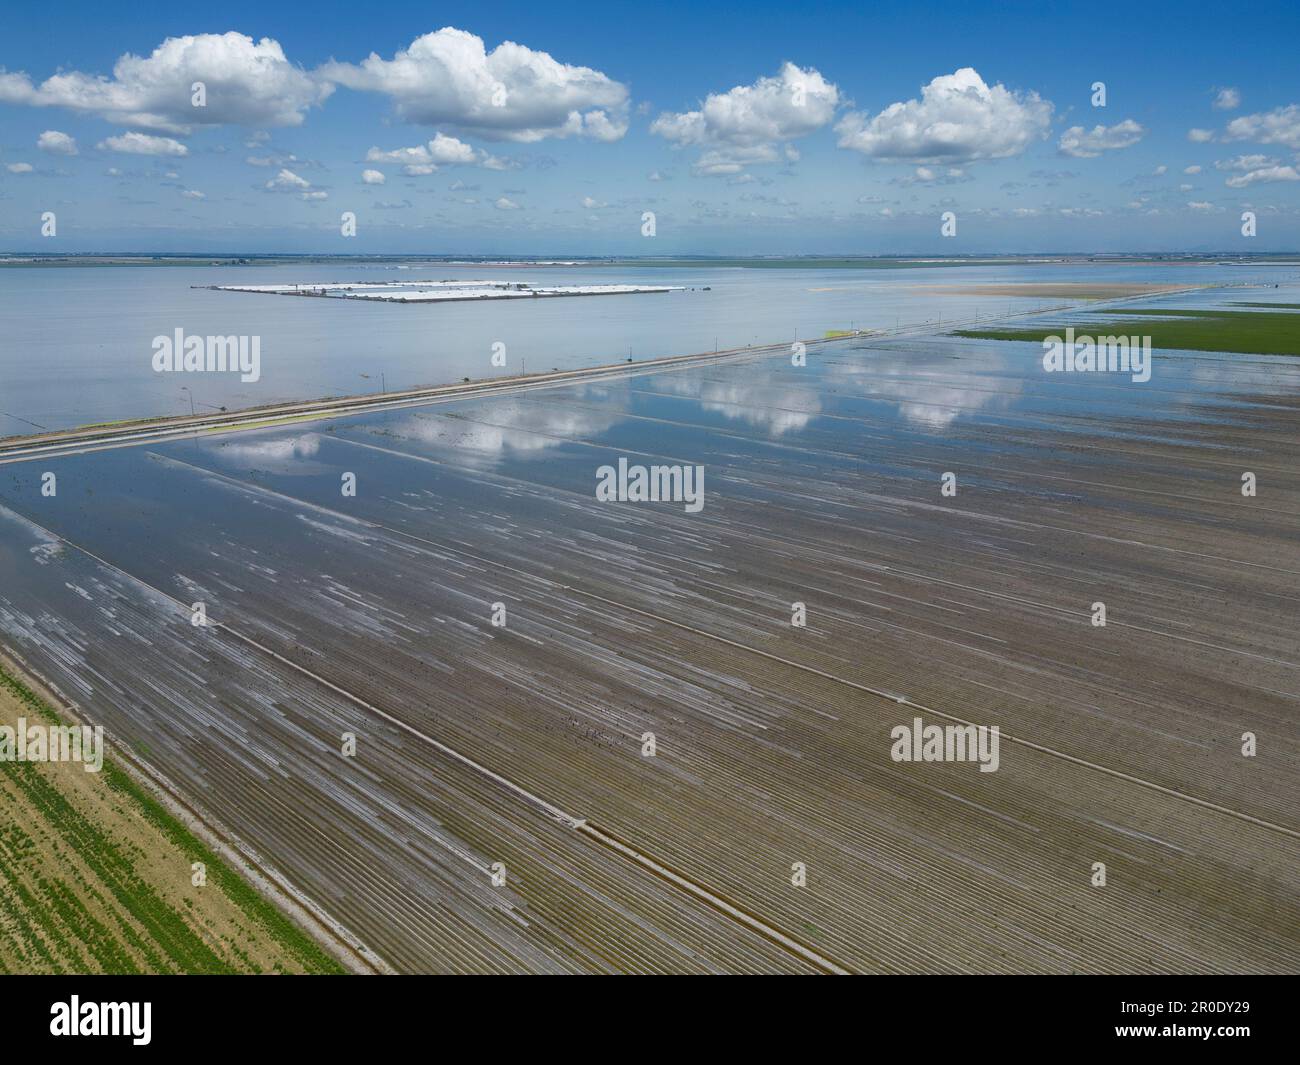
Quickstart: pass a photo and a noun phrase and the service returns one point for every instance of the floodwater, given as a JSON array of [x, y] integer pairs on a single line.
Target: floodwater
[[474, 596], [77, 342]]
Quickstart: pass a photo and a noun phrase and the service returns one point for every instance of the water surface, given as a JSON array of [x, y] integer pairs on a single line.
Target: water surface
[[77, 341]]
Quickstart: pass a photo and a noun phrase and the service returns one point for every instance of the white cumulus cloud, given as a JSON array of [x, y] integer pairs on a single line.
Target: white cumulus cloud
[[753, 123], [1279, 126], [246, 82], [372, 177], [143, 144], [287, 180], [56, 143], [1087, 144], [1266, 173], [1228, 99], [1245, 162], [958, 118], [441, 151], [510, 93], [721, 161]]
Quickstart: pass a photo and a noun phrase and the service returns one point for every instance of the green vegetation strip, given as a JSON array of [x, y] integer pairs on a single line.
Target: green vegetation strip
[[1244, 332], [180, 946]]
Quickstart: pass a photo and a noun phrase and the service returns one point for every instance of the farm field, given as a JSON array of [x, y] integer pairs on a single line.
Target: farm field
[[1255, 332], [587, 737], [96, 875]]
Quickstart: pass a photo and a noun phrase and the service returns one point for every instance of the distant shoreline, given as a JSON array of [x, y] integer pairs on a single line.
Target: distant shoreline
[[827, 262]]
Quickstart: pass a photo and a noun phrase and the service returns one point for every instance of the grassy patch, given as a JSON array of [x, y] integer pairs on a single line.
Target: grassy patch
[[1245, 332], [94, 877]]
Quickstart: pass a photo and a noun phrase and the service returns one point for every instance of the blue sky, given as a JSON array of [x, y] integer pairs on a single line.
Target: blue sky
[[745, 129]]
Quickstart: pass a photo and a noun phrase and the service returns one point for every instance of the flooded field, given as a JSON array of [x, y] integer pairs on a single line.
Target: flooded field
[[627, 736]]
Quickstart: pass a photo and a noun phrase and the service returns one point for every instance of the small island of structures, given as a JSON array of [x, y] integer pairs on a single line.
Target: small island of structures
[[442, 291]]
